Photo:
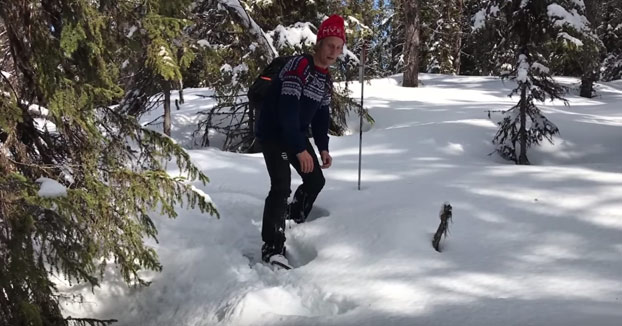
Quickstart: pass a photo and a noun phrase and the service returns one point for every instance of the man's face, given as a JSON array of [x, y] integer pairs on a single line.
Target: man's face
[[330, 48]]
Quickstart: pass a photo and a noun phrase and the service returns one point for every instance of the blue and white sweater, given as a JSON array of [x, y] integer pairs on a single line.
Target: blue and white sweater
[[298, 97]]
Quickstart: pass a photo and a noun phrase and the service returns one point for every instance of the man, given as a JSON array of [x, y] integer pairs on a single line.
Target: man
[[299, 97]]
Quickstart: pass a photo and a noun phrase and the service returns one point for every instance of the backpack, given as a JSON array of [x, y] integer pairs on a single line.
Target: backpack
[[259, 89]]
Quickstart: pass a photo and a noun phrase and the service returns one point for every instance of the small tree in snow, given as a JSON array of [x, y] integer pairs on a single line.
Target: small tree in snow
[[533, 83], [533, 26]]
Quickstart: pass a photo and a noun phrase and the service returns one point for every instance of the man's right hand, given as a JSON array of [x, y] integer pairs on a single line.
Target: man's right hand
[[306, 161]]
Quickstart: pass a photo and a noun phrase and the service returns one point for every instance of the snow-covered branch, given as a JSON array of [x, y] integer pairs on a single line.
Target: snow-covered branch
[[235, 8]]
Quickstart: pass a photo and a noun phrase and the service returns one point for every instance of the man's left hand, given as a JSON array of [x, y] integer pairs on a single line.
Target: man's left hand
[[327, 160]]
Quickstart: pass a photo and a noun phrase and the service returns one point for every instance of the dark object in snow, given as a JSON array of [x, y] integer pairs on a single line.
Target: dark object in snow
[[445, 215], [89, 321]]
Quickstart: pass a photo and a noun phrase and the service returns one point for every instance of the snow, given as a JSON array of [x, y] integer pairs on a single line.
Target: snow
[[226, 68], [264, 2], [41, 117], [234, 71], [203, 43], [164, 53], [185, 120], [579, 3], [563, 17], [494, 10], [201, 193], [523, 68], [299, 33], [38, 110], [51, 188], [131, 31], [479, 20], [357, 23], [250, 24], [5, 74], [540, 67], [480, 17], [571, 39], [529, 245]]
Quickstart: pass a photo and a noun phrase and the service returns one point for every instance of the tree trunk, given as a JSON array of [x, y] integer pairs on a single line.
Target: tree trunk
[[411, 43], [457, 46], [181, 92], [522, 134], [167, 108], [587, 87]]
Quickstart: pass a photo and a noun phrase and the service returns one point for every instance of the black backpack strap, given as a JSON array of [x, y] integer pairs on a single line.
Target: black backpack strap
[[309, 57]]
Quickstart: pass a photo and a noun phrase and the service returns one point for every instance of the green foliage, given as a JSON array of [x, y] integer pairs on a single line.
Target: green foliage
[[162, 61], [529, 30], [71, 36], [113, 168], [608, 22]]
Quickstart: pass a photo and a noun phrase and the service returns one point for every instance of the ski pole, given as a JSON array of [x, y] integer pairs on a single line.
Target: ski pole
[[362, 79]]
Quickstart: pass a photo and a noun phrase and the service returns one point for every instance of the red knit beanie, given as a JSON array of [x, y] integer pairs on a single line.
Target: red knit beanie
[[332, 26]]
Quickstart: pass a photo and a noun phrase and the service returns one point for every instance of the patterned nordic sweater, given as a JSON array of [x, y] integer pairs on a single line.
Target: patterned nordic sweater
[[298, 97]]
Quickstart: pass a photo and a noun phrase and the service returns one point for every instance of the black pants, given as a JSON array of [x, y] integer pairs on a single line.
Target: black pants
[[278, 161]]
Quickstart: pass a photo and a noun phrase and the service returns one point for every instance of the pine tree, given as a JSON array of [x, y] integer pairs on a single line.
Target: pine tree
[[575, 50], [609, 30], [532, 24], [382, 41], [396, 36], [237, 48], [155, 31], [57, 123], [442, 35]]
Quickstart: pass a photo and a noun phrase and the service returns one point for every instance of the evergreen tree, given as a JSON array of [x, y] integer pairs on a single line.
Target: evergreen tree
[[57, 123], [575, 49], [233, 48], [154, 31], [442, 35], [396, 36], [531, 24], [609, 30], [382, 41]]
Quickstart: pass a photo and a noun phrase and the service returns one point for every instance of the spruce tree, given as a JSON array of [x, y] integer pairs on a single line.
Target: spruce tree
[[382, 41], [237, 47], [609, 30], [441, 35], [155, 32], [531, 23], [396, 35], [575, 49], [58, 125]]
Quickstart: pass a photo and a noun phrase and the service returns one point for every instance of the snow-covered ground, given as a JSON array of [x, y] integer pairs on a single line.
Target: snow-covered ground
[[530, 245]]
